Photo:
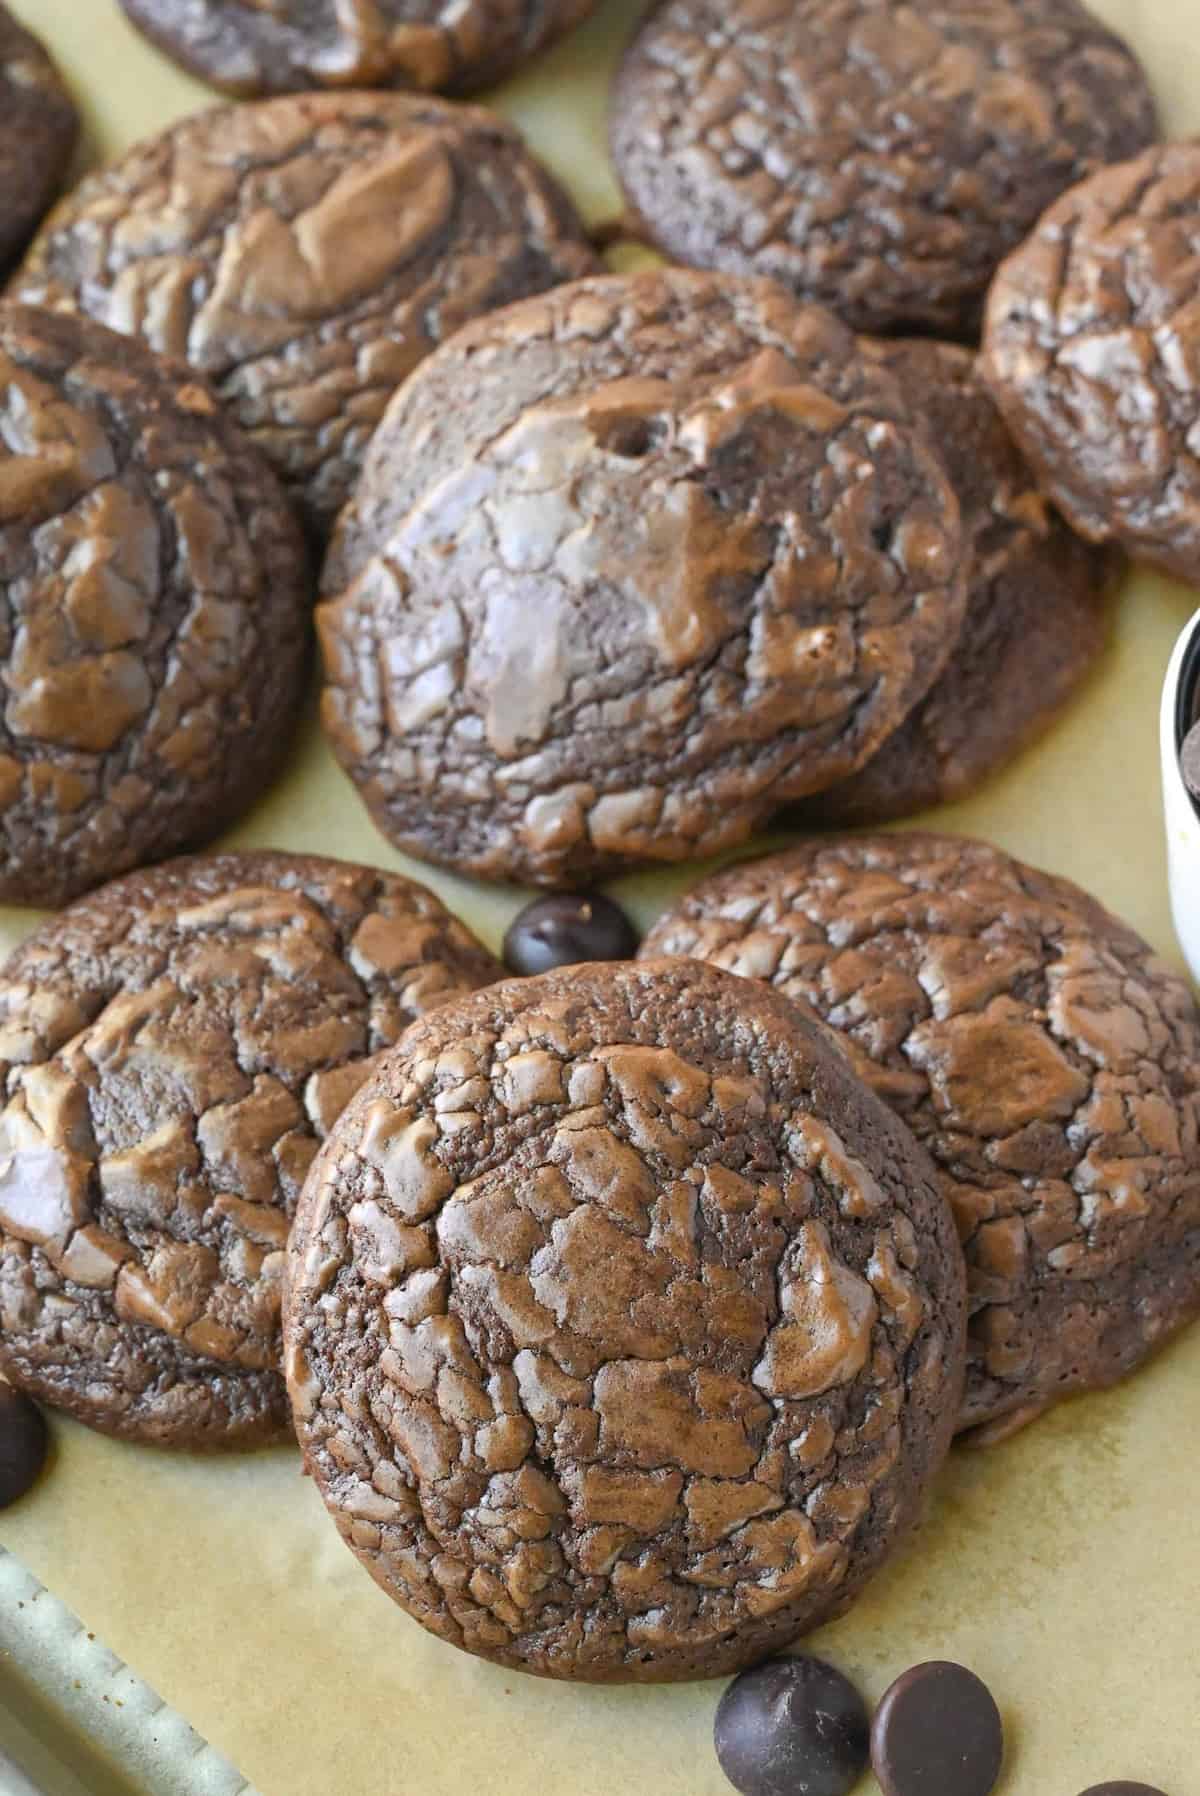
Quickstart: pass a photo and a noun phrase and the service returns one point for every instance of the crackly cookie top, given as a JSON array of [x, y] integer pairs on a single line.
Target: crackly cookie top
[[1038, 1048], [879, 158], [623, 1325], [172, 1049], [154, 606], [629, 564], [1036, 597], [1092, 349], [305, 253], [272, 46], [39, 127]]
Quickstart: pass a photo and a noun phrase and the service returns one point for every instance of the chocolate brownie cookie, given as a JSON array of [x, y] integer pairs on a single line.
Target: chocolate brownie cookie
[[253, 47], [1036, 612], [630, 564], [623, 1325], [172, 1049], [1092, 349], [305, 254], [1047, 1059], [39, 127], [876, 157], [154, 609]]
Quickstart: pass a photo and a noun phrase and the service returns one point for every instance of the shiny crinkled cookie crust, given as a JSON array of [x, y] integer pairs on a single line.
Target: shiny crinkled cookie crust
[[1048, 1060], [631, 564], [305, 253], [173, 1048], [1092, 350], [623, 1326], [251, 47], [880, 159], [39, 127], [154, 609], [1037, 597]]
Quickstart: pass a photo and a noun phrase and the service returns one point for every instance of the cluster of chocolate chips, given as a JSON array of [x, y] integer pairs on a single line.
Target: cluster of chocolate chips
[[798, 1727]]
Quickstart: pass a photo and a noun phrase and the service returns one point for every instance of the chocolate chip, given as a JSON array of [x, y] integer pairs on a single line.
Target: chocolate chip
[[792, 1727], [1122, 1789], [565, 928], [1189, 760], [937, 1732], [23, 1444]]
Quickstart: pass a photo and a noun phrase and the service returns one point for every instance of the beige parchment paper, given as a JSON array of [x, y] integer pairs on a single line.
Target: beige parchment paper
[[1064, 1567]]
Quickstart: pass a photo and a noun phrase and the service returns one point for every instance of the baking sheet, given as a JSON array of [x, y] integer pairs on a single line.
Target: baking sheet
[[1064, 1567]]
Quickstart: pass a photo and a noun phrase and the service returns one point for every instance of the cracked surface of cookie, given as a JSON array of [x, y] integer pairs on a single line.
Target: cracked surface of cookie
[[631, 564], [305, 254], [251, 47], [172, 1049], [623, 1325], [1092, 349], [39, 127], [1040, 1051], [1037, 612], [879, 158], [154, 621]]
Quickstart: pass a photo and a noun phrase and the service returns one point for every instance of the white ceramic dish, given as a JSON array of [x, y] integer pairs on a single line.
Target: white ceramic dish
[[1179, 709]]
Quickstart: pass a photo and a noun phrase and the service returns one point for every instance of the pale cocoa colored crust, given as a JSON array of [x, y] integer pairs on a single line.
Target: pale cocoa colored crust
[[623, 1325], [1037, 608], [630, 565], [39, 127], [1045, 1057], [305, 254], [877, 158], [251, 47], [154, 609], [1092, 349], [172, 1050]]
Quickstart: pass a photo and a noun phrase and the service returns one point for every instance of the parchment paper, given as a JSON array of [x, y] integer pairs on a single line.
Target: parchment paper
[[1064, 1567]]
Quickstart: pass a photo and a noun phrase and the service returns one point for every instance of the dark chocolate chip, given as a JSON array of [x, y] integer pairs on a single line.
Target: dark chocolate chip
[[937, 1732], [23, 1444], [1189, 760], [1122, 1789], [792, 1727], [567, 927]]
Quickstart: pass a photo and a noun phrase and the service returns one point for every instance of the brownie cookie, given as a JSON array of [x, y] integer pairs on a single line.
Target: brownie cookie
[[172, 1050], [306, 253], [253, 47], [39, 128], [623, 1325], [630, 564], [154, 609], [1036, 610], [878, 158], [1047, 1059], [1092, 349]]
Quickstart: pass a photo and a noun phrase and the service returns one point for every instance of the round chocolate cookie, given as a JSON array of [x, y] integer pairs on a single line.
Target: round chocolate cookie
[[878, 158], [39, 127], [1092, 349], [1039, 1050], [172, 1050], [305, 254], [253, 47], [630, 564], [623, 1324], [154, 609], [1036, 610]]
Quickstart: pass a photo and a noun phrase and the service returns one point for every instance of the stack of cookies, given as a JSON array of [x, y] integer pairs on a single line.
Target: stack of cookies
[[626, 1312]]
